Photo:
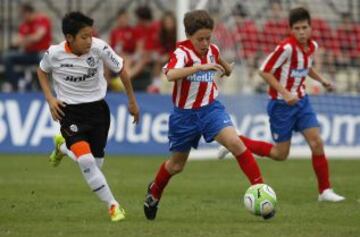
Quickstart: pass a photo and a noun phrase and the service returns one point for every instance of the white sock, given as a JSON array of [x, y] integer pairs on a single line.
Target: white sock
[[67, 152], [95, 179], [99, 162]]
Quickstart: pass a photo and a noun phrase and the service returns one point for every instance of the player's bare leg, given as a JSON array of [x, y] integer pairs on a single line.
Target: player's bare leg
[[230, 140], [168, 168], [320, 165], [279, 151]]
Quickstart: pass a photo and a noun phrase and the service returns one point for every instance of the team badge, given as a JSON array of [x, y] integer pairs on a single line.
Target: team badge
[[90, 61], [74, 128]]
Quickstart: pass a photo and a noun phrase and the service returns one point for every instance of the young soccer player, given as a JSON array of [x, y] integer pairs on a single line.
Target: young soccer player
[[289, 107], [76, 66], [192, 67]]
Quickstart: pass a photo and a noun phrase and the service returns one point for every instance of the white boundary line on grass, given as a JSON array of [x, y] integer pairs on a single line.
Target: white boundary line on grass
[[295, 153]]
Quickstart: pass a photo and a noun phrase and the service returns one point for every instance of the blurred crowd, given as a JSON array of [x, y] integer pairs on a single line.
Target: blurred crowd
[[146, 43]]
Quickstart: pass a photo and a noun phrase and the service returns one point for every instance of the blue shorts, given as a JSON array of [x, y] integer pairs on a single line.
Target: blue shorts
[[186, 126], [284, 119]]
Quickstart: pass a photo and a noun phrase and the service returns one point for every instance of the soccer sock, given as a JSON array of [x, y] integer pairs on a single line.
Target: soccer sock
[[259, 148], [95, 179], [321, 169], [162, 178], [249, 166], [67, 152], [99, 162]]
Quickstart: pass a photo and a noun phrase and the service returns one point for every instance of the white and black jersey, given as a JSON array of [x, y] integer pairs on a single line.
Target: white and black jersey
[[80, 79]]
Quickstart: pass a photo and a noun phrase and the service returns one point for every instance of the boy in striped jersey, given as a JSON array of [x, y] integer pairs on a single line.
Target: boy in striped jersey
[[289, 107], [192, 68]]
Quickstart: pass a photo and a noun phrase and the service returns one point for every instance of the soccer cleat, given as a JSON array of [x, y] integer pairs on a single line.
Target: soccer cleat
[[222, 152], [116, 213], [150, 204], [56, 156], [328, 195]]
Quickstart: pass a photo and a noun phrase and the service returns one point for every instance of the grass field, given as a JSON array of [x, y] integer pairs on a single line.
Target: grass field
[[205, 200]]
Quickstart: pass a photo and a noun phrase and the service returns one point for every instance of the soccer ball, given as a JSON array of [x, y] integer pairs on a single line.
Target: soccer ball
[[260, 200]]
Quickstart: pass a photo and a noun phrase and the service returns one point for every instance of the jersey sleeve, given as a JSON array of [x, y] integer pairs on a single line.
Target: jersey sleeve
[[110, 58], [177, 60], [276, 59], [45, 63]]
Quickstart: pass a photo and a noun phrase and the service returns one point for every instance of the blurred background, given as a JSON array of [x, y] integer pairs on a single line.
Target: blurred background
[[144, 32]]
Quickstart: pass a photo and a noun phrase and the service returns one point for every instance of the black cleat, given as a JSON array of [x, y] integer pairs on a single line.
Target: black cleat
[[150, 204], [270, 215]]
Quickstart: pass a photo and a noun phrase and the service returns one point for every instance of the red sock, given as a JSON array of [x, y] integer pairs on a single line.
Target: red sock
[[249, 166], [161, 180], [321, 169], [259, 148]]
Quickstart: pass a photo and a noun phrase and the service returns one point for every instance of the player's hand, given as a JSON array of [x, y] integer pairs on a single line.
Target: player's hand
[[56, 108], [134, 111], [210, 66], [291, 99], [328, 85]]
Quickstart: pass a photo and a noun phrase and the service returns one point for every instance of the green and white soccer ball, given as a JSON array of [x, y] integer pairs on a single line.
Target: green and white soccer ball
[[260, 200]]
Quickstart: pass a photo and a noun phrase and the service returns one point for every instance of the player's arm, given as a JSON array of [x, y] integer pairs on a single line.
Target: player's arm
[[54, 104], [274, 83], [133, 106], [179, 73], [316, 76], [116, 64], [227, 66]]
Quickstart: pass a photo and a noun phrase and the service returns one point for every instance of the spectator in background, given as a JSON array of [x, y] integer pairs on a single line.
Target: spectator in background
[[275, 28], [166, 43], [122, 40], [222, 36], [348, 37], [247, 38], [145, 35], [33, 38], [122, 36], [323, 34]]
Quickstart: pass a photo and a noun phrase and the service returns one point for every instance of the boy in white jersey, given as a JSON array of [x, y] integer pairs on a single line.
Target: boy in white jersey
[[289, 108], [76, 67]]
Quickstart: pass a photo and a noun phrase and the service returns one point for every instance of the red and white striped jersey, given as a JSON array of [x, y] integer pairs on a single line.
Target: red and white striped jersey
[[290, 65], [198, 89]]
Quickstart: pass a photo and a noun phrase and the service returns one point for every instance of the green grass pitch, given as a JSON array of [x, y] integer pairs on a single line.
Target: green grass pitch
[[205, 200]]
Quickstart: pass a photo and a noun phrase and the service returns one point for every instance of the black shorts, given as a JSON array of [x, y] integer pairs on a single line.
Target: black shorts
[[87, 122]]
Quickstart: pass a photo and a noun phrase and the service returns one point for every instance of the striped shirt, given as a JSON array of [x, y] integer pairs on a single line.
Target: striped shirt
[[290, 64], [198, 89]]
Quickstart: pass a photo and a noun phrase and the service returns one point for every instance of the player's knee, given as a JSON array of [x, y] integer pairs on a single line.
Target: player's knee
[[175, 168], [316, 144], [281, 155], [234, 146]]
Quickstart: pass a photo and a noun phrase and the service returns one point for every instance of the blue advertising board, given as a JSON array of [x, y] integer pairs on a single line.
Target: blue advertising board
[[26, 125]]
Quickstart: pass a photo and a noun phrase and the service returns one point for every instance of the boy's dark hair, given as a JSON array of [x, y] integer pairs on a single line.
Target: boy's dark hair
[[144, 13], [196, 20], [299, 14], [121, 11], [27, 7], [73, 22]]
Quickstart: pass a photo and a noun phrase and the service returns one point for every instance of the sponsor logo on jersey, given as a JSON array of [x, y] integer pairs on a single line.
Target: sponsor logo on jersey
[[66, 65], [91, 73], [303, 72], [202, 76]]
